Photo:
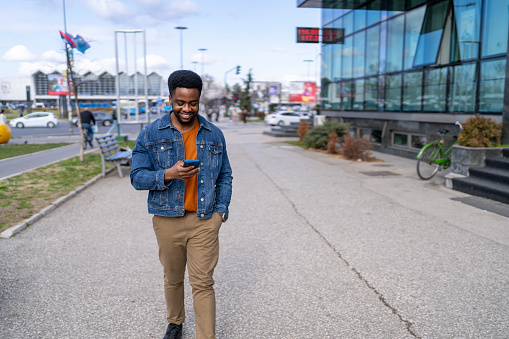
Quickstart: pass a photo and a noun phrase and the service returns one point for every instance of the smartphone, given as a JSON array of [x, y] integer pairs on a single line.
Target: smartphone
[[195, 163]]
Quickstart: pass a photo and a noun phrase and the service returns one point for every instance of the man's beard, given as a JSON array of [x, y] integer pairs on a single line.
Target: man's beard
[[186, 123]]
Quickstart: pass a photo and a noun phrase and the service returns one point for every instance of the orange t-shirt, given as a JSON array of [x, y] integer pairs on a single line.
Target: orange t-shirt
[[191, 184]]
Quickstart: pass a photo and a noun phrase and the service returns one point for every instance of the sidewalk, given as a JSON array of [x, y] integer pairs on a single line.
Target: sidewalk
[[315, 247]]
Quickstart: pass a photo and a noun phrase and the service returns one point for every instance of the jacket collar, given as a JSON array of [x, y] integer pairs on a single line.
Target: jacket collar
[[165, 122]]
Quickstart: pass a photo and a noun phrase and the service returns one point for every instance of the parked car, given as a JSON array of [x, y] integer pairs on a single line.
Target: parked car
[[101, 118], [35, 119], [283, 118]]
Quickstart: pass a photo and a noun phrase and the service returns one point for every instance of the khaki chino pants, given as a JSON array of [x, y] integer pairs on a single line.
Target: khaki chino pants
[[194, 241]]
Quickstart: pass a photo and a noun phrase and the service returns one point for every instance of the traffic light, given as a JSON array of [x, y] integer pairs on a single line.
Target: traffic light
[[238, 70], [235, 97], [223, 100]]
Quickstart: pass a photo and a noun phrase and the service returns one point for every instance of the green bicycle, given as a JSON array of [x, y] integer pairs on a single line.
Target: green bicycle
[[434, 157]]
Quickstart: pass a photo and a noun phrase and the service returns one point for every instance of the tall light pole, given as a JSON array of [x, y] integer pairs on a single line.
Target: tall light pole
[[309, 61], [181, 28], [202, 61]]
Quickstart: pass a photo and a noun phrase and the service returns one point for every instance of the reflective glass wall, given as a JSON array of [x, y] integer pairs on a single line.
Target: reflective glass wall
[[446, 56]]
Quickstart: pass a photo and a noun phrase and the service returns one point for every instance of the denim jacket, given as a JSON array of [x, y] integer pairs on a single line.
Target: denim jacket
[[159, 146]]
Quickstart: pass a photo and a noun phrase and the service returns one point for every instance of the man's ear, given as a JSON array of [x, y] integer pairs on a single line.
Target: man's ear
[[171, 101]]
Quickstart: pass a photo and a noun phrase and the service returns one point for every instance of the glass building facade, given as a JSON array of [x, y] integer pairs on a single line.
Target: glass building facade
[[408, 67]]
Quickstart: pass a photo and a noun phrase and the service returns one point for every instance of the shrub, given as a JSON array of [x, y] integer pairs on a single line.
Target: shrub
[[479, 131], [356, 148], [303, 129], [331, 144], [318, 136]]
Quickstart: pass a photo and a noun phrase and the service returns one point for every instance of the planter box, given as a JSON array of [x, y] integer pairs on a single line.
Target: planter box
[[462, 158]]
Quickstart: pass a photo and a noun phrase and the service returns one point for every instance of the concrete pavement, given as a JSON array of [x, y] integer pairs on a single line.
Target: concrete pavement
[[315, 247]]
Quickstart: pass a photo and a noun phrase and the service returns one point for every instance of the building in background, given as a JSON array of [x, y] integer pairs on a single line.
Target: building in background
[[406, 68]]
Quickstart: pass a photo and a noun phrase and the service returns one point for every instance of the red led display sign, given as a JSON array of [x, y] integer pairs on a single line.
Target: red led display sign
[[308, 35], [333, 36]]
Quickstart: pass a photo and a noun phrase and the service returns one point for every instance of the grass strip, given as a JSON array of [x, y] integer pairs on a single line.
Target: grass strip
[[14, 150], [24, 195]]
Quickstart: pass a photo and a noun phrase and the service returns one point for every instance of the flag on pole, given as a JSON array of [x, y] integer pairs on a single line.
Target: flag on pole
[[68, 38], [81, 44]]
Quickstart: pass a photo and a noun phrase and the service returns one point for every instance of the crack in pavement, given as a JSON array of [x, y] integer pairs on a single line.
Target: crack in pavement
[[381, 297]]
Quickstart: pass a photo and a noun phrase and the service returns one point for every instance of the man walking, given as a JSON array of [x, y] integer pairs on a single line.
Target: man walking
[[87, 119], [189, 203]]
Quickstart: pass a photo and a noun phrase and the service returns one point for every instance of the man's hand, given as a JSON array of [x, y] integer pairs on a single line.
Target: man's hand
[[179, 172]]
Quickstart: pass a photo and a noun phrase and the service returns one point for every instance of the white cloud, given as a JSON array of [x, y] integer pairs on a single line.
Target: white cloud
[[29, 68], [279, 50], [54, 56], [143, 12], [110, 9], [18, 53]]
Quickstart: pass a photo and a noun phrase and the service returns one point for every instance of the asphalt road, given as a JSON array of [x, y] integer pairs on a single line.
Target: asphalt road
[[315, 247]]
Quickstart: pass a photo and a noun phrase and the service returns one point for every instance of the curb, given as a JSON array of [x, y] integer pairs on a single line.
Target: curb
[[48, 209]]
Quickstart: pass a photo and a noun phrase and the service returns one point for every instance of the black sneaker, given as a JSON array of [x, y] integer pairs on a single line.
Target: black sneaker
[[173, 331], [91, 145]]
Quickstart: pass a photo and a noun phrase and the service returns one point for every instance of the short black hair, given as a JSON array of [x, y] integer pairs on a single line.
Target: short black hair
[[185, 79]]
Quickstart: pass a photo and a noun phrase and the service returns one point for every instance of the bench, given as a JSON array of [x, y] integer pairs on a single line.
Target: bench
[[110, 152]]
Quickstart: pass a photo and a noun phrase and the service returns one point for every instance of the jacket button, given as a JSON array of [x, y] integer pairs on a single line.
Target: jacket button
[[201, 146], [201, 181], [202, 215], [201, 199]]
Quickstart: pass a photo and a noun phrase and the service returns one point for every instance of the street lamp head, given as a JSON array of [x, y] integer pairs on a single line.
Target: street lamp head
[[180, 27]]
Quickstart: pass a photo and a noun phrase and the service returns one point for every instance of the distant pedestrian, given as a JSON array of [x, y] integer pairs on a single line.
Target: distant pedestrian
[[244, 114], [87, 120], [189, 203], [20, 110]]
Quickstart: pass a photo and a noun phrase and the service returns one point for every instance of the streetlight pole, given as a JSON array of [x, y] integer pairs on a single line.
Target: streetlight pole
[[181, 28], [308, 62], [202, 61]]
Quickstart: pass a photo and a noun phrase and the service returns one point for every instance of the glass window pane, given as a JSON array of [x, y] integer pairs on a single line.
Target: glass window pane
[[393, 92], [400, 139], [412, 91], [395, 7], [325, 95], [358, 102], [418, 141], [394, 61], [496, 15], [435, 85], [413, 3], [360, 19], [336, 61], [334, 98], [491, 86], [376, 136], [465, 41], [431, 34], [326, 15], [372, 49], [371, 94], [374, 12], [346, 94], [348, 23], [359, 53], [326, 70], [412, 32], [346, 60], [462, 88]]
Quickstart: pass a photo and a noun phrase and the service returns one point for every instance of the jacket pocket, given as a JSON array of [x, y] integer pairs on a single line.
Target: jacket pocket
[[162, 153], [215, 155]]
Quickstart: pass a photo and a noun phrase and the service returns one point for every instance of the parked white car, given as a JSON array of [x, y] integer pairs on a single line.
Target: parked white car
[[284, 118], [35, 119]]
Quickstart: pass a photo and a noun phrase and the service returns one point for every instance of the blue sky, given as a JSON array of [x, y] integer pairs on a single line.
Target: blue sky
[[256, 34]]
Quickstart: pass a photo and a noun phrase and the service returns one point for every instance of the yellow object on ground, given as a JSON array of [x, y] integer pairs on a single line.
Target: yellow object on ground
[[5, 130]]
